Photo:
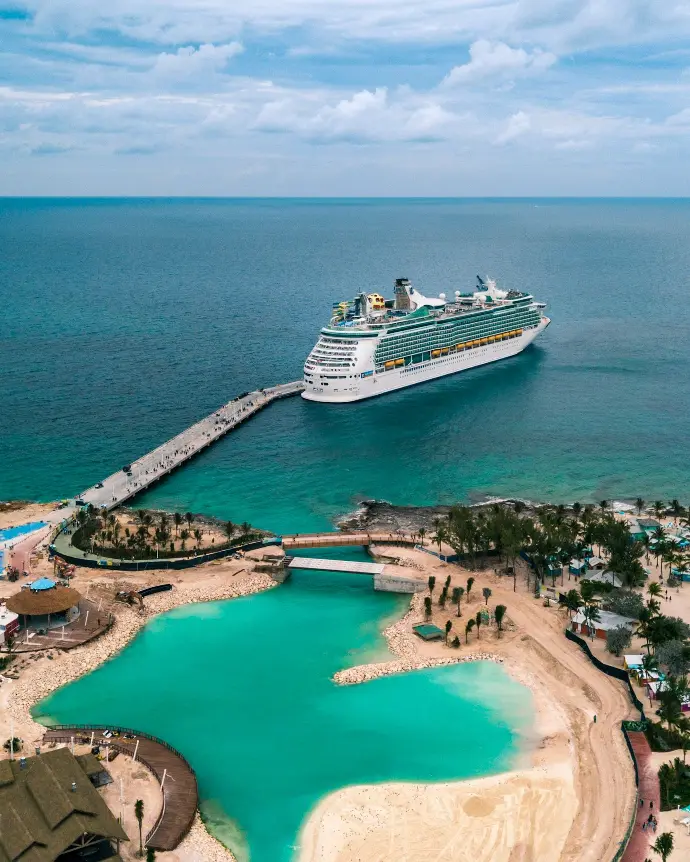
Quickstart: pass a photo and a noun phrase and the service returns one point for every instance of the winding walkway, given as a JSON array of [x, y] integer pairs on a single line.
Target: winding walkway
[[180, 796]]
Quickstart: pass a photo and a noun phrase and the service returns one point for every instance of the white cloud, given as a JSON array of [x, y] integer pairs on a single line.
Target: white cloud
[[516, 126], [498, 60], [555, 24], [366, 116], [190, 62]]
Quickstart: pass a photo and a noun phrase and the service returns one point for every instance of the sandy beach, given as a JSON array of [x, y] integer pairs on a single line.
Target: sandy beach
[[543, 811], [547, 810]]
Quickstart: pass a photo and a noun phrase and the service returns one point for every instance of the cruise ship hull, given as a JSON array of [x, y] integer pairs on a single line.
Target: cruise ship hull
[[357, 389]]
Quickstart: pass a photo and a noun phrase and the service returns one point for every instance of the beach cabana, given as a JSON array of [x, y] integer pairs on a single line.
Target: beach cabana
[[654, 687], [44, 605], [9, 623], [595, 563], [632, 662], [428, 632], [577, 567], [599, 577], [604, 624]]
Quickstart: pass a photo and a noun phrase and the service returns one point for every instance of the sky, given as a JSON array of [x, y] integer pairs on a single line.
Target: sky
[[345, 97]]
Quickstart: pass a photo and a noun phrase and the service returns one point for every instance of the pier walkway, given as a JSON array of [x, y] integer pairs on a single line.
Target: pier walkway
[[337, 539], [336, 566], [180, 796], [152, 467]]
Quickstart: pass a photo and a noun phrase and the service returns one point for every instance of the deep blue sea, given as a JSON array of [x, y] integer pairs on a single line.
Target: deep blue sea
[[125, 320]]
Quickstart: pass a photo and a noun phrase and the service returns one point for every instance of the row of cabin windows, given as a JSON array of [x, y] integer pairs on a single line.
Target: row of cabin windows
[[449, 338]]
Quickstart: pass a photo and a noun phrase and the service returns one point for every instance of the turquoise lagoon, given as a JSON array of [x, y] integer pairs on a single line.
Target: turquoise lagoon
[[243, 689]]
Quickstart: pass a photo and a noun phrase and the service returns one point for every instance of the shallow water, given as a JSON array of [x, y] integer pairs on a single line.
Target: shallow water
[[124, 321], [243, 689]]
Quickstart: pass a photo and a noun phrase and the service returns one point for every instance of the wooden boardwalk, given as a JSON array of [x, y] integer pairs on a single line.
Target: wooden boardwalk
[[91, 623], [180, 795], [160, 462], [638, 848], [336, 539]]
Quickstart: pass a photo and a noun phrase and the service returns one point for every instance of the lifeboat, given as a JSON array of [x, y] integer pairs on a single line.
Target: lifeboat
[[444, 351], [388, 365], [435, 354], [399, 362]]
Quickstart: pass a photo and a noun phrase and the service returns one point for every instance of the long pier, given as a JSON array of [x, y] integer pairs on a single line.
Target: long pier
[[121, 486]]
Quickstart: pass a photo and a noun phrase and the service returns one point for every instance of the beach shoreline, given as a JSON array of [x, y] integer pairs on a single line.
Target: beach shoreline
[[566, 762], [563, 766]]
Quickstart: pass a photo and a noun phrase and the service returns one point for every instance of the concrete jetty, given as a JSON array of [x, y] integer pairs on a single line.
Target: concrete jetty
[[351, 566], [150, 468]]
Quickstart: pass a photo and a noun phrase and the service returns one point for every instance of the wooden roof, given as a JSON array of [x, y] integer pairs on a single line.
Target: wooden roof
[[42, 815], [53, 601]]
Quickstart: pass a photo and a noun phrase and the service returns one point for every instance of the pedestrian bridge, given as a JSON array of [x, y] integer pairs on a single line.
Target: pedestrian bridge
[[336, 566], [331, 540]]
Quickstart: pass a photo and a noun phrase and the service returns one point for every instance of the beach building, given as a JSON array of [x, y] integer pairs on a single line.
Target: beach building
[[9, 623], [604, 624], [595, 563], [577, 567], [637, 531], [43, 604], [51, 811], [602, 577]]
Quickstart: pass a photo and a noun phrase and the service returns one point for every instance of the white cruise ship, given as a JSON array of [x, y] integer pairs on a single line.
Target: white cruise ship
[[373, 345]]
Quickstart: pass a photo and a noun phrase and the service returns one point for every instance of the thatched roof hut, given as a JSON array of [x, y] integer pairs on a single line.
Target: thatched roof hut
[[43, 602]]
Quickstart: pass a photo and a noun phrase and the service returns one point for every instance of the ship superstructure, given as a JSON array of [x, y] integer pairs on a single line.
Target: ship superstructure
[[374, 345]]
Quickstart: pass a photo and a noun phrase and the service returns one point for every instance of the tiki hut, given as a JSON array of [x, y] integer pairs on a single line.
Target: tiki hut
[[43, 604]]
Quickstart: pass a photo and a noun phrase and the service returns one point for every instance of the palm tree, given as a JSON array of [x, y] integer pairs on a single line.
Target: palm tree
[[676, 509], [470, 582], [499, 613], [246, 528], [184, 535], [177, 518], [591, 613], [478, 622], [664, 845], [427, 607], [150, 854], [229, 530], [654, 590], [486, 592], [458, 593], [603, 505], [432, 583], [197, 536], [139, 814], [659, 508], [442, 598], [422, 533], [577, 508], [573, 600], [639, 505], [449, 626], [189, 518], [468, 628]]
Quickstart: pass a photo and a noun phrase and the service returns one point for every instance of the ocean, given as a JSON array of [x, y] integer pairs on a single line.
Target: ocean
[[123, 321]]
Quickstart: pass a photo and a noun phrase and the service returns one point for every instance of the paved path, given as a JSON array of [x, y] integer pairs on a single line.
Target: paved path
[[180, 797], [638, 848]]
